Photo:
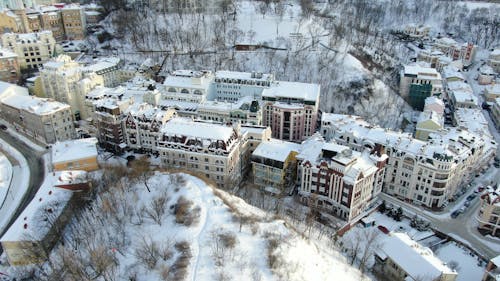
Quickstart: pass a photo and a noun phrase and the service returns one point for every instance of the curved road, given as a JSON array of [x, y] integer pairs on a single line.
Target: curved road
[[37, 173]]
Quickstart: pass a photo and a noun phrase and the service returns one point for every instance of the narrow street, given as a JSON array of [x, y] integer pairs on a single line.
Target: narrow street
[[36, 165]]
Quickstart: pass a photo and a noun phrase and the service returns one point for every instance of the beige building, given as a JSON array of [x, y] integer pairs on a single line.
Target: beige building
[[9, 66], [9, 22], [51, 19], [492, 92], [73, 19], [65, 80], [428, 122], [44, 120], [427, 173], [489, 211], [32, 49], [400, 259], [211, 150]]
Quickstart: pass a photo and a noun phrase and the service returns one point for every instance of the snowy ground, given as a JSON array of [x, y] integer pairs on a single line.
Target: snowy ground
[[5, 177], [19, 186], [468, 265], [215, 236]]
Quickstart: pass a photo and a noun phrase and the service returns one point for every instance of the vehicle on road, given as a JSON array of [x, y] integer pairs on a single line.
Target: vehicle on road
[[470, 197], [455, 214], [3, 127], [467, 204]]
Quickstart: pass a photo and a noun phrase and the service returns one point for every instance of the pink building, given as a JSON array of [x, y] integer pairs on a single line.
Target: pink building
[[291, 110]]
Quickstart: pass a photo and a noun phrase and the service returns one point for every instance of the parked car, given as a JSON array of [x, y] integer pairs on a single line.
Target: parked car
[[3, 127], [470, 197], [467, 204], [455, 214]]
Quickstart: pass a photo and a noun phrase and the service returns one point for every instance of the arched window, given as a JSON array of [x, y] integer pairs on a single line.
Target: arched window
[[172, 90], [197, 92], [184, 91]]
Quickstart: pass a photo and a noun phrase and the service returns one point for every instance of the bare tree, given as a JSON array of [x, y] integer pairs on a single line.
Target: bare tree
[[140, 169]]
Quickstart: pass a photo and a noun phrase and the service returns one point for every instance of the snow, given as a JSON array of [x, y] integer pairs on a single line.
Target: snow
[[412, 257], [18, 97], [468, 268], [74, 150], [5, 177], [243, 75], [20, 179], [6, 53], [186, 127], [293, 90], [276, 149], [30, 225]]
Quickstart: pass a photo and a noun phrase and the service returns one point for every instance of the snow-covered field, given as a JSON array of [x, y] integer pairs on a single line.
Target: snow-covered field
[[186, 230], [467, 263]]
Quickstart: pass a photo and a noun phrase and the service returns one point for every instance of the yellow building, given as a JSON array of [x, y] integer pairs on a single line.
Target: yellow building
[[9, 22], [79, 154], [429, 122], [274, 165]]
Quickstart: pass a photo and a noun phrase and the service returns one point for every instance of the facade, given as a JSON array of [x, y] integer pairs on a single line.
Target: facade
[[142, 126], [32, 49], [339, 180], [400, 259], [79, 154], [67, 81], [73, 18], [291, 110], [245, 111], [108, 68], [31, 237], [51, 19], [188, 86], [274, 165], [231, 85], [417, 83], [426, 173], [489, 211], [9, 22], [44, 120], [451, 48], [486, 75], [211, 150], [9, 66]]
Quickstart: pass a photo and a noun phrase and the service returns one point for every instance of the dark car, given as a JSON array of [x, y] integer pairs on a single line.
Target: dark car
[[3, 127], [470, 197], [383, 229], [455, 214]]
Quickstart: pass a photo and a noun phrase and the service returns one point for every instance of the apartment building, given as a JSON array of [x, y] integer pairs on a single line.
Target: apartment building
[[74, 21], [142, 125], [9, 66], [188, 86], [461, 95], [291, 109], [456, 51], [108, 114], [488, 216], [231, 85], [427, 173], [400, 258], [212, 150], [417, 83], [109, 68], [42, 119], [337, 179], [274, 165], [79, 154], [32, 49], [245, 111]]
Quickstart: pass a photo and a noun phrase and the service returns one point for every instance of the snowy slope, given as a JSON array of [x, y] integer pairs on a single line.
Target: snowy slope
[[215, 236]]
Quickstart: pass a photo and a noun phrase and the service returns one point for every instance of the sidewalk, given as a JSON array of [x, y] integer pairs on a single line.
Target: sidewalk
[[19, 184]]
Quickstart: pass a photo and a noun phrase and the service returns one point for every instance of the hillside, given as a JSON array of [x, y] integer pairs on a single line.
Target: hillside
[[184, 230]]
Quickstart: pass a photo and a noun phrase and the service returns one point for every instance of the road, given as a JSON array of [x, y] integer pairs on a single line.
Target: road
[[463, 226], [37, 173]]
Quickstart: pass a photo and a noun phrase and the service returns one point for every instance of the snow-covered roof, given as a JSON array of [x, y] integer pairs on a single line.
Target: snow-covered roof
[[432, 116], [33, 37], [186, 82], [427, 73], [72, 150], [462, 96], [18, 97], [226, 106], [102, 64], [473, 120], [417, 261], [486, 70], [293, 90], [276, 149], [459, 85], [244, 75], [38, 217], [452, 72], [6, 53], [493, 89], [189, 128]]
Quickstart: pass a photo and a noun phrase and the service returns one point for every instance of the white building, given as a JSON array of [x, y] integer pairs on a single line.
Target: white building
[[337, 179], [401, 259], [32, 49], [108, 68], [425, 173], [246, 110], [188, 86], [42, 119], [211, 150], [461, 95], [231, 85]]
